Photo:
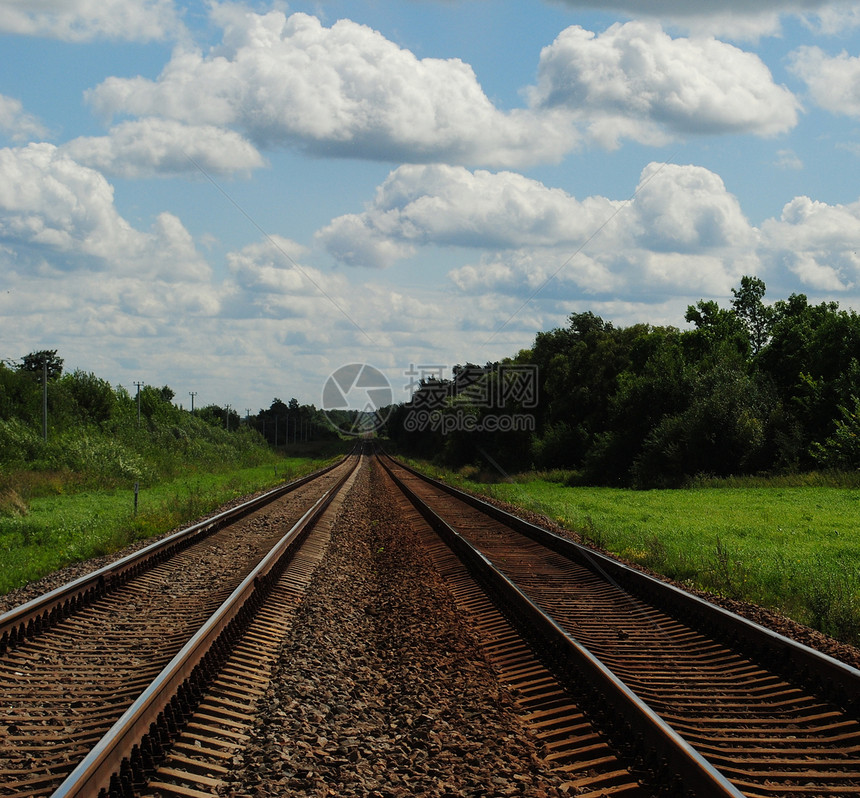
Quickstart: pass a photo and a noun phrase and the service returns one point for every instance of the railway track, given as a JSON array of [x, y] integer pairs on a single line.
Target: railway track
[[139, 684], [673, 690], [73, 662]]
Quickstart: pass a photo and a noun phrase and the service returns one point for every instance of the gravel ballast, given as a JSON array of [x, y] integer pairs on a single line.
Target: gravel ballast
[[379, 689]]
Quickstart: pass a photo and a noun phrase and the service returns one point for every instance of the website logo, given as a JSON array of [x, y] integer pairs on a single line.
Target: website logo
[[356, 399]]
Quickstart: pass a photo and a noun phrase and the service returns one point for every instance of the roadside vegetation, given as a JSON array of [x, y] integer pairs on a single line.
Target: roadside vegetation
[[69, 495], [747, 390], [725, 455], [791, 545]]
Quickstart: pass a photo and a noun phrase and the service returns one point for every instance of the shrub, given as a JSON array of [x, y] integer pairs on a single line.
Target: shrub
[[842, 449], [101, 457], [19, 443], [93, 398]]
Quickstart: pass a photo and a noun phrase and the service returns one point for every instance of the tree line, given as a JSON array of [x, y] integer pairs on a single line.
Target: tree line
[[747, 389], [80, 397], [53, 420]]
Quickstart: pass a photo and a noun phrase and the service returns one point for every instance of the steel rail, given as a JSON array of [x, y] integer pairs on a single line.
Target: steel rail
[[668, 753], [44, 611], [127, 752], [834, 680]]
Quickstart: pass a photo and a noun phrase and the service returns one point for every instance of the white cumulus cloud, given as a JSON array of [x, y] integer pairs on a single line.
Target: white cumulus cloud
[[530, 230], [836, 18], [818, 242], [343, 90], [833, 82], [84, 20], [53, 209], [153, 146], [635, 81], [16, 123], [48, 200], [452, 206], [739, 19], [682, 232], [701, 7], [683, 209]]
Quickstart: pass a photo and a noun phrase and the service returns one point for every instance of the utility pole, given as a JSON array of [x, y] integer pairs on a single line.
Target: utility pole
[[192, 394], [227, 417], [45, 397], [138, 384], [247, 416]]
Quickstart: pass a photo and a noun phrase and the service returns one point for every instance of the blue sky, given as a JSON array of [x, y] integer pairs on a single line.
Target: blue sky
[[237, 199]]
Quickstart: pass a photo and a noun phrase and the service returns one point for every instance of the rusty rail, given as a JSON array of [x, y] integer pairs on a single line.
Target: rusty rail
[[675, 760], [834, 680], [41, 613], [121, 760]]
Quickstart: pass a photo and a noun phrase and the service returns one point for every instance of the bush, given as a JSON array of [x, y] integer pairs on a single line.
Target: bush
[[559, 446], [723, 431], [842, 449], [20, 444], [92, 398], [104, 458]]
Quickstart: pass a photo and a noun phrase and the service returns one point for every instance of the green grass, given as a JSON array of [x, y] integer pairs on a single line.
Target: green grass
[[55, 528], [794, 549]]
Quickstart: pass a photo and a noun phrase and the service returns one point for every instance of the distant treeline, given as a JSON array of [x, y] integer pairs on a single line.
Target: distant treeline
[[113, 435], [752, 388]]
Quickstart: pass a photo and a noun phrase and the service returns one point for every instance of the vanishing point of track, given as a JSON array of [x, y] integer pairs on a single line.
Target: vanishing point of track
[[629, 685]]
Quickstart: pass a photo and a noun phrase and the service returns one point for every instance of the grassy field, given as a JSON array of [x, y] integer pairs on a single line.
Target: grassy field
[[795, 549], [61, 525]]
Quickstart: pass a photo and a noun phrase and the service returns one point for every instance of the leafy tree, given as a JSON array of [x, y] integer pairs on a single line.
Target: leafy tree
[[658, 382], [718, 333], [553, 447], [284, 423], [842, 448], [93, 399], [722, 431], [20, 395], [218, 416], [812, 360], [35, 363], [277, 421], [578, 371], [748, 388], [751, 310]]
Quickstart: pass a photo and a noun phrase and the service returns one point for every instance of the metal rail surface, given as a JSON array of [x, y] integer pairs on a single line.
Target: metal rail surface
[[125, 755], [699, 777], [839, 680], [40, 613], [67, 681], [774, 717]]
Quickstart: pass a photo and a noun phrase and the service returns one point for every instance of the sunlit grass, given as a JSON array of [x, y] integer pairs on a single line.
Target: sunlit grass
[[56, 528], [795, 549]]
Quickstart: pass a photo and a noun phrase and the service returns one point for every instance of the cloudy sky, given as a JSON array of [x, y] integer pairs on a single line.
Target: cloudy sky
[[237, 199]]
